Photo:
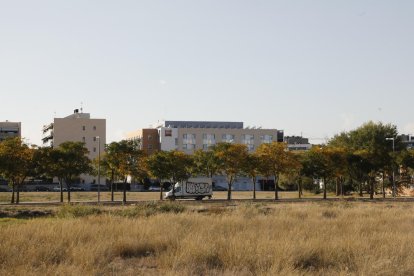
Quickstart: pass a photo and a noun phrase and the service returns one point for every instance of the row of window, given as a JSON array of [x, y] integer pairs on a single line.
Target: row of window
[[210, 139], [84, 139], [84, 128]]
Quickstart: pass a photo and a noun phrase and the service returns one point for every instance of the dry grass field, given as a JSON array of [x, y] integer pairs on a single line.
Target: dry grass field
[[341, 238], [142, 196]]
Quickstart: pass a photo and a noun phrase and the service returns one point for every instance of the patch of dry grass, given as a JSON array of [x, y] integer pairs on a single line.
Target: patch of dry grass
[[249, 239], [142, 196]]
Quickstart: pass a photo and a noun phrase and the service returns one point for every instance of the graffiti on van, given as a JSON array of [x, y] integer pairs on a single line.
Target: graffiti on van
[[196, 188]]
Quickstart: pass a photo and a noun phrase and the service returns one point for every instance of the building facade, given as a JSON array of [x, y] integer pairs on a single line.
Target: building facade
[[188, 136], [78, 127], [10, 130]]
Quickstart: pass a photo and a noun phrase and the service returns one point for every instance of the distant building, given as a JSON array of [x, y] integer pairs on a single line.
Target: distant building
[[149, 139], [10, 129], [78, 127], [407, 140], [297, 143], [188, 136]]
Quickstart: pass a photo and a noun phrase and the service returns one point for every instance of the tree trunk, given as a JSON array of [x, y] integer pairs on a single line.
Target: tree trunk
[[338, 188], [124, 193], [12, 198], [383, 186], [371, 192], [360, 189], [173, 189], [230, 183], [254, 187], [342, 187], [300, 187], [161, 190], [17, 194], [324, 188], [68, 187], [61, 190], [276, 189], [112, 185]]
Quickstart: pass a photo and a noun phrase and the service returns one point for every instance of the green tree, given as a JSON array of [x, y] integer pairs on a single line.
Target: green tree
[[158, 165], [179, 168], [205, 163], [369, 142], [251, 166], [15, 164], [316, 164], [276, 159], [126, 159], [70, 161], [230, 159]]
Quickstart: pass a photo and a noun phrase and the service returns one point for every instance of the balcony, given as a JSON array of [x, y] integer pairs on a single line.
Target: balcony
[[47, 137], [47, 127]]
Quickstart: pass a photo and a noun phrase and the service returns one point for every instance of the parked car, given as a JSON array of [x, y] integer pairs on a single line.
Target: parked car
[[77, 189], [57, 189], [154, 189], [41, 189]]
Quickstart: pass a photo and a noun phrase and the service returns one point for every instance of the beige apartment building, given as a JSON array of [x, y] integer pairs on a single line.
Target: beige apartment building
[[78, 127], [10, 129]]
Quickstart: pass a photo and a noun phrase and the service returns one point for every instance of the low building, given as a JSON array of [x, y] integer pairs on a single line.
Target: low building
[[297, 143], [407, 140], [10, 130], [148, 138], [78, 127]]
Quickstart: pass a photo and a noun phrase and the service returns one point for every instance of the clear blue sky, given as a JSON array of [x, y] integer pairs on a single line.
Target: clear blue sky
[[311, 67]]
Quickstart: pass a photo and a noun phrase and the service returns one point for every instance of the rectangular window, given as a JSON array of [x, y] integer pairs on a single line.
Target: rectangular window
[[94, 149], [266, 139], [168, 133], [83, 127], [150, 147], [228, 138], [209, 140], [94, 139], [94, 127], [248, 140], [189, 141], [83, 139], [149, 137]]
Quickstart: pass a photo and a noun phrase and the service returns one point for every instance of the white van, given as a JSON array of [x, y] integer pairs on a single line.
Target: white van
[[196, 188]]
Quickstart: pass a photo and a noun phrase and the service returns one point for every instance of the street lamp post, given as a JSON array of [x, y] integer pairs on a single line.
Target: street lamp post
[[393, 171], [99, 168]]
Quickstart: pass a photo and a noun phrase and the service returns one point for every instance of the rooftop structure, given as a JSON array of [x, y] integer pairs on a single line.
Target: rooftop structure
[[10, 129]]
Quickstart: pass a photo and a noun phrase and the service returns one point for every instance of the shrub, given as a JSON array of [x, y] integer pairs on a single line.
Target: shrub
[[75, 211]]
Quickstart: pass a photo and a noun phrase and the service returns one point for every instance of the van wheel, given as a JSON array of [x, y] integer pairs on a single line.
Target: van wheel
[[199, 198]]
